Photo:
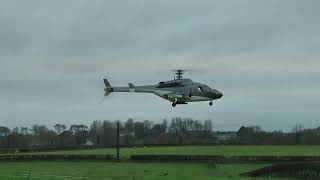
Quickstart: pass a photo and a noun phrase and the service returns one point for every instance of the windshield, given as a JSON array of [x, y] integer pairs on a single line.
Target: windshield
[[199, 89], [206, 88], [203, 88]]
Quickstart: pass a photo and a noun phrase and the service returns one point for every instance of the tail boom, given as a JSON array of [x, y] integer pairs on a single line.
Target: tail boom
[[131, 88]]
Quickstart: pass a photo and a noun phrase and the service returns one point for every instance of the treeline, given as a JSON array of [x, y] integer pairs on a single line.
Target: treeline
[[103, 133], [177, 131], [298, 136]]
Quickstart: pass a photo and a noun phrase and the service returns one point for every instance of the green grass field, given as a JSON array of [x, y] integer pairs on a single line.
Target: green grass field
[[146, 171], [125, 171], [203, 150]]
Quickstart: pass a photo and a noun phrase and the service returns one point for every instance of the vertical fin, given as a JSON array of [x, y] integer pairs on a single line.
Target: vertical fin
[[131, 87]]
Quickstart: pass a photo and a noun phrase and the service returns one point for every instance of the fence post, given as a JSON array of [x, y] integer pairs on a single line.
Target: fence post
[[118, 134]]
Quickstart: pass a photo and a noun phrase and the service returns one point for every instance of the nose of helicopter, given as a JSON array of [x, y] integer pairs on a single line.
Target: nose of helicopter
[[217, 94]]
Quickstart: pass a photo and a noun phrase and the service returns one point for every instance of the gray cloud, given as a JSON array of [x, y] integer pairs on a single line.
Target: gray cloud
[[262, 54]]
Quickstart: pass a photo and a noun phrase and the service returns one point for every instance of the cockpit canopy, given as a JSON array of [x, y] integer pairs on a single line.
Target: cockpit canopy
[[202, 88]]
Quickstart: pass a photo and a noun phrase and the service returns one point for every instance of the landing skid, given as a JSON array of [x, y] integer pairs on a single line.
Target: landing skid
[[177, 102]]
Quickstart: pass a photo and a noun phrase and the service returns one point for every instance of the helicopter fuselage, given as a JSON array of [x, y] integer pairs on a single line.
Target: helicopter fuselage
[[179, 91]]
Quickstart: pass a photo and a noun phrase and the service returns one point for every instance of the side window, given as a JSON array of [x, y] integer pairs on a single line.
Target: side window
[[199, 89]]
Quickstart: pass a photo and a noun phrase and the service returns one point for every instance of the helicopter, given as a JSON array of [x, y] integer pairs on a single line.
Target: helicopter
[[177, 91]]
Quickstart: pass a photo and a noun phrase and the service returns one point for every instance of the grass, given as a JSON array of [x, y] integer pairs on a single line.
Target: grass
[[202, 150], [154, 171], [126, 171]]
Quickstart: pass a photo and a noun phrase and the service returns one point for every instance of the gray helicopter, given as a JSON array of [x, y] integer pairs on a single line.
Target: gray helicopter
[[177, 91]]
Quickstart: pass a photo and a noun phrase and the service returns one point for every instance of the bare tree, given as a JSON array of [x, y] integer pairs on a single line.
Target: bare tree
[[297, 131], [74, 128], [83, 127], [59, 128], [35, 129], [24, 130], [4, 131]]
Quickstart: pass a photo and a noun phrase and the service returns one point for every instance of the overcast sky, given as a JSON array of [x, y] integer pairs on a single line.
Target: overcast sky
[[263, 55]]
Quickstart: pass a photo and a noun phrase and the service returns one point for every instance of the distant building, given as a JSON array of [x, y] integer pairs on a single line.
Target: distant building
[[224, 136], [124, 132], [88, 143]]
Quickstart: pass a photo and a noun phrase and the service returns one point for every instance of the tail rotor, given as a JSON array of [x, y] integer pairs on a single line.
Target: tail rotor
[[107, 90]]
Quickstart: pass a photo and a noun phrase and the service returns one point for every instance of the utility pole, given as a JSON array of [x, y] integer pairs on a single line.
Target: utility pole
[[118, 134]]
